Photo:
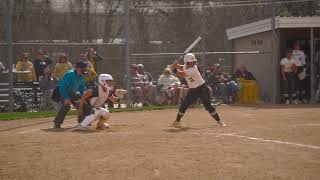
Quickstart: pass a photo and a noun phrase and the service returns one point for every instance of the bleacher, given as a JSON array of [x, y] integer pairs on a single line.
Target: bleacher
[[27, 93]]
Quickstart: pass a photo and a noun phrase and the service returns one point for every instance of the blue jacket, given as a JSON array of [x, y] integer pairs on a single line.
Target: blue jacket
[[70, 83]]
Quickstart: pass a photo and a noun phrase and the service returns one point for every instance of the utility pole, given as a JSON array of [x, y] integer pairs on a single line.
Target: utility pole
[[8, 17], [274, 64], [312, 66], [127, 49], [203, 36]]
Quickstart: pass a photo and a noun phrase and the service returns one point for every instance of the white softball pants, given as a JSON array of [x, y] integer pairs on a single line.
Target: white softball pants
[[99, 113]]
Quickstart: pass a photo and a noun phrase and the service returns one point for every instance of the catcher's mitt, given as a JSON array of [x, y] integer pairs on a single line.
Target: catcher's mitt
[[120, 92]]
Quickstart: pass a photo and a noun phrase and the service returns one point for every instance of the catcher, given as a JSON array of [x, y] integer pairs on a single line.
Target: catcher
[[96, 97]]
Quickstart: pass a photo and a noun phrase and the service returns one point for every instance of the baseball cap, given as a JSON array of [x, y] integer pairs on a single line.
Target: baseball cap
[[81, 64]]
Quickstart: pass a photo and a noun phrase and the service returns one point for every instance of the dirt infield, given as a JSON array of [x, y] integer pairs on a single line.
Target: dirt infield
[[264, 142]]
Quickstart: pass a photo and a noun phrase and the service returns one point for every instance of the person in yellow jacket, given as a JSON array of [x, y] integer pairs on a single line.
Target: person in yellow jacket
[[93, 57], [62, 66], [91, 76], [25, 69]]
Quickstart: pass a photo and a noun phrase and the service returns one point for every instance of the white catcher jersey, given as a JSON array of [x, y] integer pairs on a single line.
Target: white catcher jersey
[[299, 56], [193, 78]]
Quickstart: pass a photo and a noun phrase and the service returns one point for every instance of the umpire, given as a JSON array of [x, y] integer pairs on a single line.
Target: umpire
[[71, 88], [197, 89]]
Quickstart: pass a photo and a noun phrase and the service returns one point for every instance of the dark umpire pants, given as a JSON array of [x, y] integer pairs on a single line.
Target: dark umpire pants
[[64, 109], [202, 92]]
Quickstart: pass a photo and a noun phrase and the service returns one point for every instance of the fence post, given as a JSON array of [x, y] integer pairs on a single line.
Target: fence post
[[8, 19], [127, 50]]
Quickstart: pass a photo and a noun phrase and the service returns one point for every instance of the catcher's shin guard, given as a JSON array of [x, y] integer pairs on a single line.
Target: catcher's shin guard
[[101, 112], [88, 120], [103, 115]]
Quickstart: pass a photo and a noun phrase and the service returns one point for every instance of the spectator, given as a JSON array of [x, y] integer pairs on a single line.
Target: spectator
[[146, 75], [2, 68], [242, 72], [169, 87], [24, 69], [249, 90], [93, 57], [71, 88], [62, 66], [150, 90], [3, 73], [135, 84], [222, 85], [288, 74], [47, 84], [40, 63], [208, 70], [301, 75], [91, 76]]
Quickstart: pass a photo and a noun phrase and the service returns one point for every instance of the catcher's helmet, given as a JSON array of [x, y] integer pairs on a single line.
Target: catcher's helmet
[[103, 78]]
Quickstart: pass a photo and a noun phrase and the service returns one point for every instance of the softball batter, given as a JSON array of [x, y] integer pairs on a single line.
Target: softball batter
[[197, 89]]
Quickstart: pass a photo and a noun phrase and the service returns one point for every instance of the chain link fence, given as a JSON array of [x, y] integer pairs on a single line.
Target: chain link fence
[[158, 32]]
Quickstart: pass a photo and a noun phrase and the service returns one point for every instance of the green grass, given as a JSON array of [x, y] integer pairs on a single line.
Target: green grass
[[25, 115], [31, 115]]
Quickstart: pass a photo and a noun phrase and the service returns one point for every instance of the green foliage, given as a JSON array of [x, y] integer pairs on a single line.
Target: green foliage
[[284, 12]]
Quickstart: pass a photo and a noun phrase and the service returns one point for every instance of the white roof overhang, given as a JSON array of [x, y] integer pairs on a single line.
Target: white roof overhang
[[266, 25]]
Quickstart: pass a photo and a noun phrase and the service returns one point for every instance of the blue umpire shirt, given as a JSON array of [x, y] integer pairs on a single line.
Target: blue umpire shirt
[[70, 83]]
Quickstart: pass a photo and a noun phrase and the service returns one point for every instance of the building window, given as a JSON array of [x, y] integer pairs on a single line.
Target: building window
[[258, 42]]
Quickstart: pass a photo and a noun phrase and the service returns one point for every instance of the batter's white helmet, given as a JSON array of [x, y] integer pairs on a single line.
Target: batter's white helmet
[[189, 57], [103, 78]]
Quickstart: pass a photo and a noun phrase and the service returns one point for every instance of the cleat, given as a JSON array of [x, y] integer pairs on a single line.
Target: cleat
[[176, 124], [305, 101], [82, 128], [57, 126], [221, 123], [287, 101], [216, 103], [103, 126], [295, 102]]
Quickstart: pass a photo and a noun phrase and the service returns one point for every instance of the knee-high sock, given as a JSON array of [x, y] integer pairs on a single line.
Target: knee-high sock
[[215, 115], [179, 116]]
